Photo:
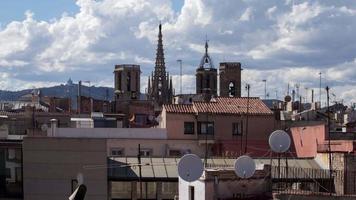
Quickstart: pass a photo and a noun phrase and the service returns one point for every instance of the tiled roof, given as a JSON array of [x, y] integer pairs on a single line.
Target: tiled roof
[[223, 105], [180, 108]]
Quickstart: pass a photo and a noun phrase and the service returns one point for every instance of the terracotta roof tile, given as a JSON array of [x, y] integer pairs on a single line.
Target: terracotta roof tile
[[223, 105], [179, 108]]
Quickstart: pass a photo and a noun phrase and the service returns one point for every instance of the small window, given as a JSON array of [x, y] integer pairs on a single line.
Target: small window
[[141, 119], [188, 127], [191, 193], [8, 173], [146, 152], [175, 153], [117, 152], [206, 128], [18, 174], [237, 129], [169, 187], [232, 89]]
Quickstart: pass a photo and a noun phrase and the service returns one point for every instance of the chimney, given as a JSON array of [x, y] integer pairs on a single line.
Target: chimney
[[312, 99]]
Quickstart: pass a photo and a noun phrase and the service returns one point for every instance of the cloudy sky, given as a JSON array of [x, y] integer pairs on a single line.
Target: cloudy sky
[[44, 42]]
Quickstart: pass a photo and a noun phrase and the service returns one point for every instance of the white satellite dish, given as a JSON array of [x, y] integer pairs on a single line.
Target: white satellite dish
[[245, 167], [80, 178], [44, 127], [279, 141], [190, 167]]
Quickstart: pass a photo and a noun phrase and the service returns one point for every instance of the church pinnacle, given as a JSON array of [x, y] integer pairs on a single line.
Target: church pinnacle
[[160, 90]]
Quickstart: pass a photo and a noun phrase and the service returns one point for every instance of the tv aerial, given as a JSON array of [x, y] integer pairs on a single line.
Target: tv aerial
[[279, 141], [245, 167], [190, 167]]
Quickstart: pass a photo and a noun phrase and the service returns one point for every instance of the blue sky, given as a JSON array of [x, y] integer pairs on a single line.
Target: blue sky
[[13, 10], [282, 41]]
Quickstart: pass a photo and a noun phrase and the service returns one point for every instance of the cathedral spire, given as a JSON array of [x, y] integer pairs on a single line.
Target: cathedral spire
[[160, 53], [160, 91]]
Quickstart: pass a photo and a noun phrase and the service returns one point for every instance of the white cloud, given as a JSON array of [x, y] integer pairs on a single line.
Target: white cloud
[[274, 40], [247, 15]]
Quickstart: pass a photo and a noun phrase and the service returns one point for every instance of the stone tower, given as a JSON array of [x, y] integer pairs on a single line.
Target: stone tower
[[206, 75], [127, 82], [160, 88], [230, 79]]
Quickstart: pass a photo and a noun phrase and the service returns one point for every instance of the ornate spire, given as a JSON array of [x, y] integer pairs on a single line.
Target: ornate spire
[[159, 84], [160, 53], [206, 61]]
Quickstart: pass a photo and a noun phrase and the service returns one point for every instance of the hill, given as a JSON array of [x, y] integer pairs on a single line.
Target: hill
[[67, 90]]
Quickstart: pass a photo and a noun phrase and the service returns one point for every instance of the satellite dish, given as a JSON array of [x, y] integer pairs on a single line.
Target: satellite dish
[[151, 117], [190, 167], [245, 167], [80, 178], [279, 141], [158, 119], [44, 127]]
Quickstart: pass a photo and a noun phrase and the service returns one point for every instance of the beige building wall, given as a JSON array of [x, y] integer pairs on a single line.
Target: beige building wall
[[50, 165], [158, 148]]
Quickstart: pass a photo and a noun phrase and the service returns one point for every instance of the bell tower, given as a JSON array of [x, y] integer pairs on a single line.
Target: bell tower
[[206, 75], [230, 79]]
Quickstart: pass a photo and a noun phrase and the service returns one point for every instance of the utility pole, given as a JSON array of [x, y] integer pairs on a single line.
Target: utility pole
[[207, 101], [181, 76], [139, 167], [247, 113], [265, 81], [329, 144]]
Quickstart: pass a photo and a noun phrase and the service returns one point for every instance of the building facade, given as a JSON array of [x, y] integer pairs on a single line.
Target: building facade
[[222, 124]]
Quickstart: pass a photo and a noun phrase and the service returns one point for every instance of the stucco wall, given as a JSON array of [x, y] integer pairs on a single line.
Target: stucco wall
[[225, 143], [306, 139], [50, 165], [160, 148]]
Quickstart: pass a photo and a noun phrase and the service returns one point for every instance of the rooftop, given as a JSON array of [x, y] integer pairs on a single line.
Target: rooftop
[[223, 105]]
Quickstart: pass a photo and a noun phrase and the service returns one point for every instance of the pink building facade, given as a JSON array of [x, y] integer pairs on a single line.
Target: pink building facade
[[222, 125]]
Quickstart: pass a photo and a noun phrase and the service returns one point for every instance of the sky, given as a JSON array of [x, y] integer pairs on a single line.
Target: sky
[[285, 42]]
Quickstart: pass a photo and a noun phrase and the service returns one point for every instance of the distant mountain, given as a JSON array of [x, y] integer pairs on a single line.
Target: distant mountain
[[67, 90]]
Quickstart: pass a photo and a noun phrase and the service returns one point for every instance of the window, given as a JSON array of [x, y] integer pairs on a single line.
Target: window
[[141, 119], [169, 187], [18, 174], [146, 152], [128, 81], [191, 193], [206, 128], [8, 173], [11, 154], [189, 128], [175, 152], [237, 129], [116, 152], [232, 89], [121, 190]]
